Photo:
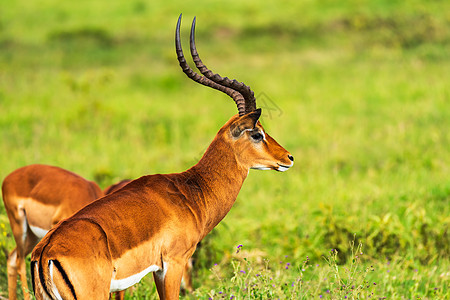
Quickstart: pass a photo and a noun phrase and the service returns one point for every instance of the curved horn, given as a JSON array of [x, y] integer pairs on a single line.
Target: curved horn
[[246, 91], [237, 97]]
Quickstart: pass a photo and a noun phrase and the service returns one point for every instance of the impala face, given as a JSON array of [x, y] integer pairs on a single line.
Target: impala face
[[255, 148], [270, 155]]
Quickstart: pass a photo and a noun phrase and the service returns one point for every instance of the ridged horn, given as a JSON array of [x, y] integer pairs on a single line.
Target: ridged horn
[[237, 96], [245, 90]]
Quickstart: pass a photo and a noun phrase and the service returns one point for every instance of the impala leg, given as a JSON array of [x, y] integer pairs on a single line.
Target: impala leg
[[16, 260], [21, 268], [16, 265], [186, 283], [120, 295], [18, 225], [12, 274], [168, 280], [30, 242]]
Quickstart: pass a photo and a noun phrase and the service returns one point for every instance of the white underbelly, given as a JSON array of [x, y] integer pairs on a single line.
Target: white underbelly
[[124, 283], [39, 232]]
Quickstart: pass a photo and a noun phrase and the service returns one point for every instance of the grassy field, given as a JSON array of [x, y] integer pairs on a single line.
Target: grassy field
[[358, 91]]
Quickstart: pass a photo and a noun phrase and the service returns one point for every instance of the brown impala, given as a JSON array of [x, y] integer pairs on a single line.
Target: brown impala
[[154, 223], [36, 198]]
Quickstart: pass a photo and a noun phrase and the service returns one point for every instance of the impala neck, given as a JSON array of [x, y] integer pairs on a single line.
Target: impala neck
[[220, 178]]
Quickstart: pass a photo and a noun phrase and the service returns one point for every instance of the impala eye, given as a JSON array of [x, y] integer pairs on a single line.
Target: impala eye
[[257, 137]]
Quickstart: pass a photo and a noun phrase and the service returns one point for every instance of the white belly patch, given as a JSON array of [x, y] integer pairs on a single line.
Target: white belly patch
[[121, 284], [39, 232]]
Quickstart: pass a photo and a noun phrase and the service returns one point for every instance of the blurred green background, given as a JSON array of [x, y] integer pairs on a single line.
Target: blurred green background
[[358, 91]]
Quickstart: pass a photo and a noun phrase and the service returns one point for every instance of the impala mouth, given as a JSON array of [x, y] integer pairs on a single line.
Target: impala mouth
[[278, 167], [282, 168], [260, 168]]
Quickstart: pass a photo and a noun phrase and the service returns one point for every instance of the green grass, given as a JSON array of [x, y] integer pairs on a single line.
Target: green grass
[[357, 91]]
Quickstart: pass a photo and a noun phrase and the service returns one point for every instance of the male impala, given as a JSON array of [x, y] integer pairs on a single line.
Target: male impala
[[154, 223], [36, 198]]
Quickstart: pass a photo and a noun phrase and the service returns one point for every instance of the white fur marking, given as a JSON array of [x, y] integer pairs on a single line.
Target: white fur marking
[[260, 168], [260, 131], [121, 284], [39, 232], [283, 168], [263, 134], [54, 289], [161, 274], [165, 267], [24, 222], [13, 258]]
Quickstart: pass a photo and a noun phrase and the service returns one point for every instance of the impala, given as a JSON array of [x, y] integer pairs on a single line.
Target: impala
[[154, 223], [36, 198]]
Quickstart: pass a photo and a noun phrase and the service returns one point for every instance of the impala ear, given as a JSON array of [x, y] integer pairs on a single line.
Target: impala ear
[[246, 122]]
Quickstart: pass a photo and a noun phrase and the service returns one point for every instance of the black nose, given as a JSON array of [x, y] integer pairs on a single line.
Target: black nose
[[291, 158]]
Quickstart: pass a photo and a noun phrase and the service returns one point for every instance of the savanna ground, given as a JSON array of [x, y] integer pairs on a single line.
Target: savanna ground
[[358, 91]]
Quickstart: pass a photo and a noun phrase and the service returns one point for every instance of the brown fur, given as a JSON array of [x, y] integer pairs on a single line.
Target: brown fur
[[154, 220], [41, 196], [115, 187]]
